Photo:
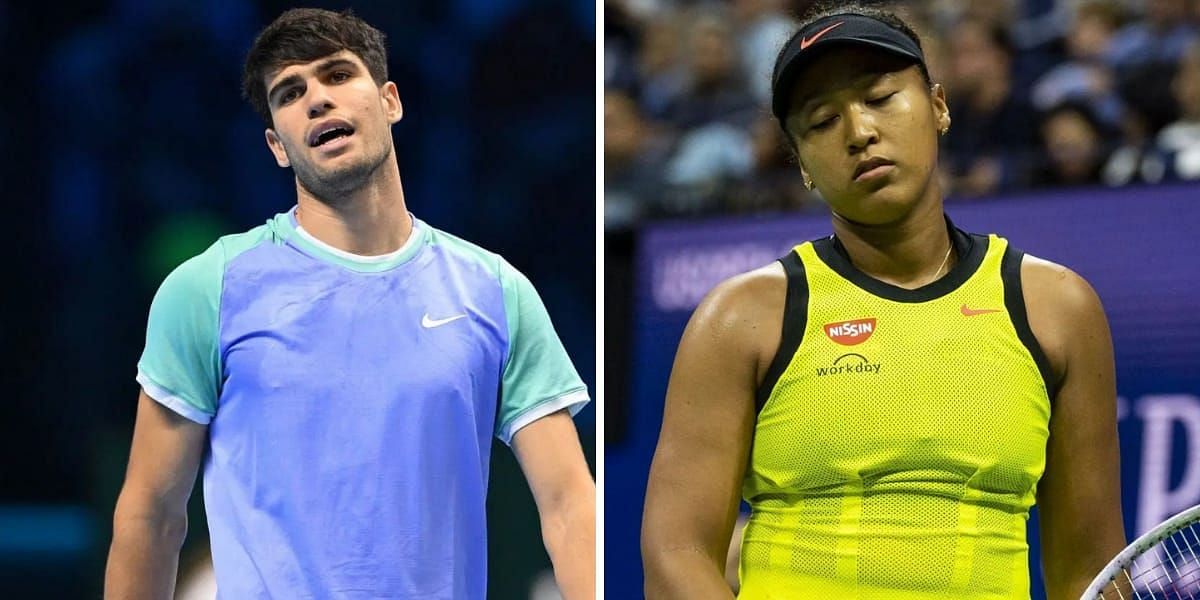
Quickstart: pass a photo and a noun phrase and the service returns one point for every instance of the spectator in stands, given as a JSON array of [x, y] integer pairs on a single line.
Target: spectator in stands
[[1084, 76], [1162, 36], [1073, 140], [1144, 55], [995, 13], [1179, 143], [709, 155], [763, 27], [993, 126], [697, 82], [633, 161], [621, 40], [664, 77], [717, 91], [775, 182]]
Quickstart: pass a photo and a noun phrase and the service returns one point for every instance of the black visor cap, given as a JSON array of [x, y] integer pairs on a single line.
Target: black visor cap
[[825, 32]]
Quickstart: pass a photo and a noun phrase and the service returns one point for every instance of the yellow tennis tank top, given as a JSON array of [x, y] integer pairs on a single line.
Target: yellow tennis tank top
[[900, 436]]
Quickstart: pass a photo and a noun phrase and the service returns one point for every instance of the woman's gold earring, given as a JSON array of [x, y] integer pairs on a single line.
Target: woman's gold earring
[[944, 129], [808, 184]]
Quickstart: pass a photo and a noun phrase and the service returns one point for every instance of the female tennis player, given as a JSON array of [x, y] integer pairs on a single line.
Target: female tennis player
[[890, 400]]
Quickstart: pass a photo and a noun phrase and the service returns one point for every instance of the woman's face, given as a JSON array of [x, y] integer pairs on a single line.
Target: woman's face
[[866, 126]]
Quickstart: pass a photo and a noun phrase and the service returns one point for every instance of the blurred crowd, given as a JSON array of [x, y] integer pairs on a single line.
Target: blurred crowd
[[1042, 93]]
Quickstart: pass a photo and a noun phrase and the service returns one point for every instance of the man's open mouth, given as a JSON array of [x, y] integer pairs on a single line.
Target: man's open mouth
[[328, 133]]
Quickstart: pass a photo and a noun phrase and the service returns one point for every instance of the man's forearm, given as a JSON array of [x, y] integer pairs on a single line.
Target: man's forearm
[[144, 558], [569, 533]]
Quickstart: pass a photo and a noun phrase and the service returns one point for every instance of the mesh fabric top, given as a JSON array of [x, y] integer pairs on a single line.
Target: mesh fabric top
[[898, 452]]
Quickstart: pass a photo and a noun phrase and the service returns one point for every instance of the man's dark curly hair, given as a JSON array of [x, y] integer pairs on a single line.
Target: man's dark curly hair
[[302, 35]]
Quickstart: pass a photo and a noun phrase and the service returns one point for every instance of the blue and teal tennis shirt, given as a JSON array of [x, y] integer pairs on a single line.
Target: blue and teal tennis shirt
[[351, 403]]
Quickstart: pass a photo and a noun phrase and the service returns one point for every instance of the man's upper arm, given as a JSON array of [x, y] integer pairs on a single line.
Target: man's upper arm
[[180, 364], [179, 375], [1079, 496], [163, 460], [538, 378]]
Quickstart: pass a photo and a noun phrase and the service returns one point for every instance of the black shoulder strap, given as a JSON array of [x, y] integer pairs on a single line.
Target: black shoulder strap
[[1014, 301], [795, 317]]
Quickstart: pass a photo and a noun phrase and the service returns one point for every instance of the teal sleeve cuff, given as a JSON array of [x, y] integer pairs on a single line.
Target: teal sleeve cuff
[[538, 377]]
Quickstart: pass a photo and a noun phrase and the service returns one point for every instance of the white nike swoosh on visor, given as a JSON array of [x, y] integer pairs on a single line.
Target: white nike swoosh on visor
[[428, 323]]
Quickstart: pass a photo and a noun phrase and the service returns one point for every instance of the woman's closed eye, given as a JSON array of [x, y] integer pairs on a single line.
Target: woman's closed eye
[[880, 100], [822, 124]]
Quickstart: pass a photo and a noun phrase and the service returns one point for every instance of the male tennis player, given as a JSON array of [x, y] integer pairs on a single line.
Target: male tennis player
[[342, 369], [890, 399]]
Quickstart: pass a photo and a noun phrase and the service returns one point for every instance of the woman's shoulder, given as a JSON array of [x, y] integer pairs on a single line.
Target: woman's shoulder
[[744, 314], [1063, 309], [1061, 289], [762, 290]]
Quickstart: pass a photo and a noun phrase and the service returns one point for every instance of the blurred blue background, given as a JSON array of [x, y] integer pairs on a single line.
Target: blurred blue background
[[128, 149]]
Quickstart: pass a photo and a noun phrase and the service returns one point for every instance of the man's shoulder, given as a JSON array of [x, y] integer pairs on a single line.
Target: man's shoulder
[[206, 269], [234, 244], [459, 249]]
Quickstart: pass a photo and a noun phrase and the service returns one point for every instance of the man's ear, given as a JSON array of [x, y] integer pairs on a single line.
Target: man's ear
[[276, 146], [389, 96]]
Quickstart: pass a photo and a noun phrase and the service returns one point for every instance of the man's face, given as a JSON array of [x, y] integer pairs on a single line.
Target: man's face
[[332, 123], [866, 129]]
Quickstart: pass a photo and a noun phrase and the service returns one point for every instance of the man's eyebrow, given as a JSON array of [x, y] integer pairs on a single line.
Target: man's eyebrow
[[295, 78]]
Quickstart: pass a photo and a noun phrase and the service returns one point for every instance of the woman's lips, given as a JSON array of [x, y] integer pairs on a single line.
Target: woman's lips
[[875, 172]]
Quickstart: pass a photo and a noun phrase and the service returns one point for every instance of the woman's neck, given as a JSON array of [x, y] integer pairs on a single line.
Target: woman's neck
[[909, 253]]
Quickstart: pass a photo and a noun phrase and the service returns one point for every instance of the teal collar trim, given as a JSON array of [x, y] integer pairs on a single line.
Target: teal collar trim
[[285, 224]]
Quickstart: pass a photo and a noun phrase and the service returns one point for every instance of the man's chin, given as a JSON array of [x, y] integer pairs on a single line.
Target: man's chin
[[338, 180]]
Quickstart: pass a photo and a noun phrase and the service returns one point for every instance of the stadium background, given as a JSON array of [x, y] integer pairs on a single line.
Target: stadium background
[[127, 149], [1076, 134]]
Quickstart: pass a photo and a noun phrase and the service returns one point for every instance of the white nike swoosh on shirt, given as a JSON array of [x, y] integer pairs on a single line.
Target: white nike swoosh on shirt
[[428, 323]]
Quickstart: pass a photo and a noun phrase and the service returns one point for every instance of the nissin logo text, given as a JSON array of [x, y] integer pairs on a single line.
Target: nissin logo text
[[849, 333]]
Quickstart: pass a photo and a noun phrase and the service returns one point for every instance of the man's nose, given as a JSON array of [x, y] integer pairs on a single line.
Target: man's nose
[[319, 100]]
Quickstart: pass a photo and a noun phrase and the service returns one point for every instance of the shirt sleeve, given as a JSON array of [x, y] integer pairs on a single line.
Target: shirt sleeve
[[538, 378], [180, 365]]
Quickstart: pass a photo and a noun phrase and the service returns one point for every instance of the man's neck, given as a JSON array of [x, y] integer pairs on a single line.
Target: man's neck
[[369, 221]]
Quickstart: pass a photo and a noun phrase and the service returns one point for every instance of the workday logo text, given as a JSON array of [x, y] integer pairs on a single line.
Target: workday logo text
[[850, 364]]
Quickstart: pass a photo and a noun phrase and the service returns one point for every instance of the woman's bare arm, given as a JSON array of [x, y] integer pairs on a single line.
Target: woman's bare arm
[[1079, 496], [708, 423]]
